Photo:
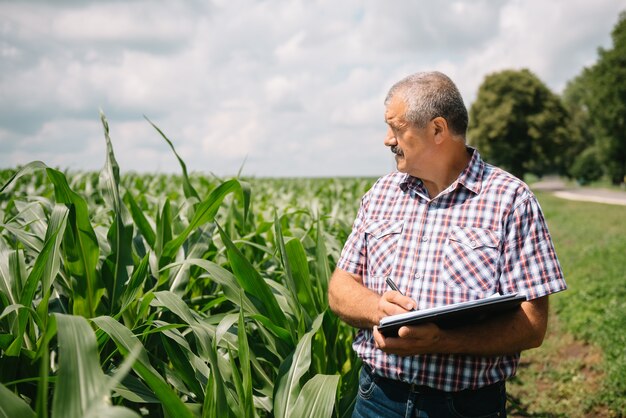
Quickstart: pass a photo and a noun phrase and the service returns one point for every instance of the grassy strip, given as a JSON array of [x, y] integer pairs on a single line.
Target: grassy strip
[[590, 240]]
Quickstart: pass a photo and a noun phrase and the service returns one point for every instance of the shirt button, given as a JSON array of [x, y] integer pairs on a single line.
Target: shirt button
[[424, 239], [473, 244], [418, 276]]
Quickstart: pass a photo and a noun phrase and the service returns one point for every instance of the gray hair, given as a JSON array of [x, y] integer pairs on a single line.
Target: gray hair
[[428, 95]]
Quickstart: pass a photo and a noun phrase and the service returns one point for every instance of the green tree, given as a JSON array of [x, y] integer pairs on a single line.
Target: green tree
[[519, 124], [606, 102], [582, 150]]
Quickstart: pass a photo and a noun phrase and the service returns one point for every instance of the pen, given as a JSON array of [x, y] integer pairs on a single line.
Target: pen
[[393, 286]]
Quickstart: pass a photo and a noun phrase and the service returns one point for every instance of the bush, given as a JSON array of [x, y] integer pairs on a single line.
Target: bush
[[587, 167]]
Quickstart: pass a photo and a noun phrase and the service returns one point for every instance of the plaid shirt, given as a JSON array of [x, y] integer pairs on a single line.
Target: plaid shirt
[[485, 234]]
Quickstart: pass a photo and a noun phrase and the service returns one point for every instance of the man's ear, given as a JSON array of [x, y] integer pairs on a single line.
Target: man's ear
[[439, 128]]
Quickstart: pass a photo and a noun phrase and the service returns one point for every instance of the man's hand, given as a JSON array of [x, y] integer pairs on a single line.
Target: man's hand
[[393, 303], [411, 340]]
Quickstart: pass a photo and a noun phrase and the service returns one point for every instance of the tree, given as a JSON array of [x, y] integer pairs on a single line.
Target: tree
[[519, 124], [582, 151], [607, 102]]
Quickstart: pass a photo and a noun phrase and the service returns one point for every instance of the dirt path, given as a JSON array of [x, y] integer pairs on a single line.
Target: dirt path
[[586, 194]]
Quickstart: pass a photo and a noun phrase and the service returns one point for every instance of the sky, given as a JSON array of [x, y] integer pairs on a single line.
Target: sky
[[274, 88]]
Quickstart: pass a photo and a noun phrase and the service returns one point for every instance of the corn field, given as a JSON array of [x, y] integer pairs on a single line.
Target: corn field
[[171, 296]]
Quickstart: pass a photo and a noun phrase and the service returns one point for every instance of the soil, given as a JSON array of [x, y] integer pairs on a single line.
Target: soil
[[561, 379]]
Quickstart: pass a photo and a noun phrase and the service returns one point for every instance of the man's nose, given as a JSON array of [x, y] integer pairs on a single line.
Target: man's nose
[[390, 138]]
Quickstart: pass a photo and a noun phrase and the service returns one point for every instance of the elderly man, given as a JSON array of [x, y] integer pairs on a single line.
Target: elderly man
[[446, 227]]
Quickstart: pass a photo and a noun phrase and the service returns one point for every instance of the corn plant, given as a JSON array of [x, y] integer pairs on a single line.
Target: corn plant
[[180, 296]]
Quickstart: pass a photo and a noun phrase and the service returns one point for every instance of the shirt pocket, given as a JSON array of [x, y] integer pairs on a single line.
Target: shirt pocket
[[382, 238], [471, 259]]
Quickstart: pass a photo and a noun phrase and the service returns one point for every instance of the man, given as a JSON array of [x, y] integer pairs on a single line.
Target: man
[[446, 228]]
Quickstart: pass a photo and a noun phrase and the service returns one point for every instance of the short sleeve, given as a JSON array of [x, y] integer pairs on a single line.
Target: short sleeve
[[529, 262], [353, 256]]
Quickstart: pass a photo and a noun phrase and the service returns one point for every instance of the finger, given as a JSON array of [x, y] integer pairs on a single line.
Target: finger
[[426, 333], [400, 300]]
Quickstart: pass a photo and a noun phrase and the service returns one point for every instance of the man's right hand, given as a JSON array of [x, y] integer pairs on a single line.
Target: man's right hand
[[392, 303]]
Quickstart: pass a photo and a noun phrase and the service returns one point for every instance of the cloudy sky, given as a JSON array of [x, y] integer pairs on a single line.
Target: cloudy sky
[[284, 88]]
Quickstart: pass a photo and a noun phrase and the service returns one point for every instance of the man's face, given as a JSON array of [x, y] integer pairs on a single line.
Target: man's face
[[408, 143]]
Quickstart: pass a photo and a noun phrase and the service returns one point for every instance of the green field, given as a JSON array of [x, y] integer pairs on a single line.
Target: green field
[[185, 296], [587, 376]]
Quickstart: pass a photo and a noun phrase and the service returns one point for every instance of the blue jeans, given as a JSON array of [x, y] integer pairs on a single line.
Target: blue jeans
[[380, 397]]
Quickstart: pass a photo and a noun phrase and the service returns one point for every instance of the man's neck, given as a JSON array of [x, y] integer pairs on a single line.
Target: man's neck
[[448, 171]]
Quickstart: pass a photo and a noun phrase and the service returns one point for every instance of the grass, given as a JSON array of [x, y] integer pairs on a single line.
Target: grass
[[581, 368]]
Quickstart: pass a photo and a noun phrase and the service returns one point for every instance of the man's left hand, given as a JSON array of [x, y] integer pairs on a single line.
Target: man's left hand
[[411, 340]]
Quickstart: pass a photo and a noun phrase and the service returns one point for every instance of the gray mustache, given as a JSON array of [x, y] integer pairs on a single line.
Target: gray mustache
[[396, 150]]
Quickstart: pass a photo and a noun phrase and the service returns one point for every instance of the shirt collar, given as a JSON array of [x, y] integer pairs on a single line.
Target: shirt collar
[[470, 177]]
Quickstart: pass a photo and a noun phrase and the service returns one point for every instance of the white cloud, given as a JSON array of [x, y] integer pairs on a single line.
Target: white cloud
[[296, 88]]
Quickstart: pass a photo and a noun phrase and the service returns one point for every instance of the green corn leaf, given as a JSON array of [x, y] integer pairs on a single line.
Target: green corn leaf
[[205, 212], [225, 324], [251, 281], [322, 265], [294, 256], [80, 247], [183, 368], [55, 232], [317, 398], [8, 287], [246, 371], [36, 277], [237, 398], [125, 342], [29, 239], [123, 338], [174, 303], [79, 375], [187, 187], [115, 268], [226, 279], [288, 386], [27, 169], [216, 403], [43, 354], [11, 405], [82, 388], [134, 287], [289, 279], [143, 225]]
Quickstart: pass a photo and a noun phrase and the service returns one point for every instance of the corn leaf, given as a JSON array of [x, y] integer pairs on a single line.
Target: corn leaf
[[226, 279], [134, 287], [35, 277], [252, 282], [80, 246], [120, 235], [143, 225], [183, 368], [11, 405], [206, 211], [174, 303], [187, 187], [317, 398], [126, 341], [322, 266], [82, 388], [27, 169], [291, 371], [244, 364]]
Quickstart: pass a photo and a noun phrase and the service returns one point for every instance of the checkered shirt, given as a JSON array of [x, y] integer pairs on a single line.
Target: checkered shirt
[[484, 234]]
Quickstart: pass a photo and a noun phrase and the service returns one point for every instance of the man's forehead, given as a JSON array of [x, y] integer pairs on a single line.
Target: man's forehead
[[394, 111]]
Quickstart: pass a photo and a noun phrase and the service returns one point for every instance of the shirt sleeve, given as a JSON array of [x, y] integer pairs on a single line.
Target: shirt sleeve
[[353, 256], [529, 262]]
